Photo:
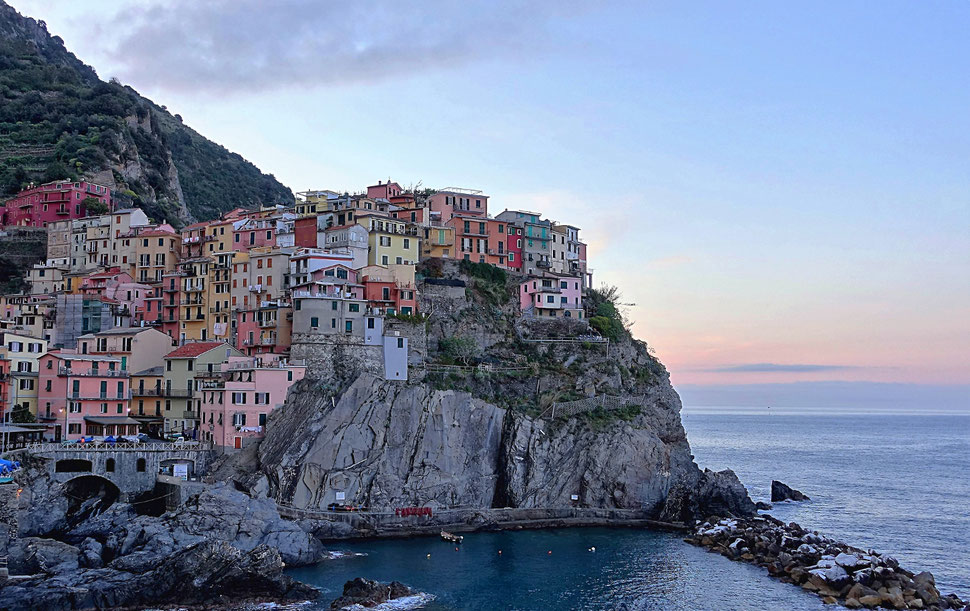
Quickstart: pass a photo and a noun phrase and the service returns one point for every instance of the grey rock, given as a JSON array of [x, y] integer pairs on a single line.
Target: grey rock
[[781, 492], [369, 593], [385, 444]]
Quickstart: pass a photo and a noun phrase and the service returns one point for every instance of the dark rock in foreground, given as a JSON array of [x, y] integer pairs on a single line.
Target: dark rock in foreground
[[835, 571], [781, 492], [369, 593], [208, 573]]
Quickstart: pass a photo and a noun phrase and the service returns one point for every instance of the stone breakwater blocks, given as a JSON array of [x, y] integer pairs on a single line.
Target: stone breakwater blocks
[[835, 571]]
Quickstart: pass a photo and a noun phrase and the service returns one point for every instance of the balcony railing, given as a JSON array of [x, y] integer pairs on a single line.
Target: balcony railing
[[92, 373], [178, 393], [99, 396]]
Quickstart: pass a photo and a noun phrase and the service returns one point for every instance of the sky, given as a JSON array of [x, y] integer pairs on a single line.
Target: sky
[[781, 190]]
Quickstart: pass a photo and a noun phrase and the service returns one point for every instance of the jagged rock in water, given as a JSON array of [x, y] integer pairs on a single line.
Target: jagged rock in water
[[781, 492], [369, 593]]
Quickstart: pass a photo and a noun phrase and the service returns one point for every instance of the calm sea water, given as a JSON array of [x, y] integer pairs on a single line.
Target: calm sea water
[[894, 482]]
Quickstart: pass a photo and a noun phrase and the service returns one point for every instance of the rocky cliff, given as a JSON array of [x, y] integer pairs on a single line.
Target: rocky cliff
[[387, 444]]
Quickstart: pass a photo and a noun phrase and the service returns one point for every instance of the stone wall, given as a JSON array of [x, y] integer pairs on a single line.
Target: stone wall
[[332, 356], [125, 473]]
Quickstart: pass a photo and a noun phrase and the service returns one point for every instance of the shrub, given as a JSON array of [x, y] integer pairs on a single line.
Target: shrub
[[460, 348]]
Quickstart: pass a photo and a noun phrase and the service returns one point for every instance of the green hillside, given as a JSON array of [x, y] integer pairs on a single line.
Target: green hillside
[[58, 119]]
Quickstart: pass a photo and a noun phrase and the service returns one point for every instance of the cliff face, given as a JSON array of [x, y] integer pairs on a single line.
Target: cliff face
[[385, 444], [59, 120]]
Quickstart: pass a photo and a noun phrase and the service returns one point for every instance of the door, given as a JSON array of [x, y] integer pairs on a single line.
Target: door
[[237, 443]]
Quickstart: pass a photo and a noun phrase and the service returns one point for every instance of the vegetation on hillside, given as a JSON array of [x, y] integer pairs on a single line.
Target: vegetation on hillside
[[59, 120]]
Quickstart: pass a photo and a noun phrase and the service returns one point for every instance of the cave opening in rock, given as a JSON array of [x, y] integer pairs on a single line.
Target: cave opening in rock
[[88, 496], [151, 503]]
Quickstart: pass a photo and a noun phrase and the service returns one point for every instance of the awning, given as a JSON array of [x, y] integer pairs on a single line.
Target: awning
[[108, 420], [10, 429]]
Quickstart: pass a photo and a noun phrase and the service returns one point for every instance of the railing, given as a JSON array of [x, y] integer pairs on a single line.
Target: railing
[[100, 396], [93, 373], [605, 402], [188, 414], [470, 368], [177, 393], [73, 446]]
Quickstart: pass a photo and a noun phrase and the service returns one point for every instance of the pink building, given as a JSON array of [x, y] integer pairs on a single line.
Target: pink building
[[53, 201], [384, 190], [237, 403], [117, 287], [451, 201], [84, 394], [552, 296], [255, 232]]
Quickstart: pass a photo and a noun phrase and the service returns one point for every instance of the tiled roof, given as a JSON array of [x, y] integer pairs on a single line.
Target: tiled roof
[[194, 349]]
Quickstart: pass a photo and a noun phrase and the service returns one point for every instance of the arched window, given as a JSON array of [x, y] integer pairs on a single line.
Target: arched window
[[140, 465], [109, 465]]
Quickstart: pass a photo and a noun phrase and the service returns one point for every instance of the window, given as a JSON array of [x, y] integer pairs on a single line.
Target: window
[[262, 418], [354, 307], [333, 305], [140, 465], [407, 243], [109, 465], [400, 342], [370, 325], [189, 365], [315, 322]]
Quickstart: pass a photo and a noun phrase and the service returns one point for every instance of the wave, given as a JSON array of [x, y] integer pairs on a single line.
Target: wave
[[415, 601]]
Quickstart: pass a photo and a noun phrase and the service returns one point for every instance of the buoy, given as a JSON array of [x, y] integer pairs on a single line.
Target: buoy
[[592, 549], [429, 555], [549, 552], [500, 552], [456, 549]]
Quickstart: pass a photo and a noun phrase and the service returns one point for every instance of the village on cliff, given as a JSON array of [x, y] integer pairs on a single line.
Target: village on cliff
[[131, 329]]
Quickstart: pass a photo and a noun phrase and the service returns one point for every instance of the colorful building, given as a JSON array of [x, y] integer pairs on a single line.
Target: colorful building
[[552, 296], [180, 386], [536, 237], [390, 289], [137, 348], [22, 353], [448, 202], [38, 206], [390, 241], [85, 394], [236, 404]]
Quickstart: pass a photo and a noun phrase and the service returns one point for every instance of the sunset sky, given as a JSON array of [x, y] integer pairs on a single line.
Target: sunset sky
[[783, 191]]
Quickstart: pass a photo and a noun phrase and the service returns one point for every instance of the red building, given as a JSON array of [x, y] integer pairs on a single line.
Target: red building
[[4, 387], [305, 232], [483, 240], [54, 201]]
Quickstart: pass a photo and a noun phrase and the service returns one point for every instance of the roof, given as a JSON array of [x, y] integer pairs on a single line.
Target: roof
[[151, 371], [190, 351], [156, 232], [122, 331], [111, 420]]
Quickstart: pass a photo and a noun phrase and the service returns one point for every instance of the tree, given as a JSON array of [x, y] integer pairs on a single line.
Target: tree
[[94, 206], [460, 348], [22, 415]]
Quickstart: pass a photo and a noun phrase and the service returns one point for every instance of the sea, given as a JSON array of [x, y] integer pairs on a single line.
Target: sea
[[895, 481]]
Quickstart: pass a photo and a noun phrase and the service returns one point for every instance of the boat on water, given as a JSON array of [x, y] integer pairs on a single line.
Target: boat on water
[[451, 538]]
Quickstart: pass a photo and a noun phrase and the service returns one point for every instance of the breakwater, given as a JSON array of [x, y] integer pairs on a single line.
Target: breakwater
[[834, 570]]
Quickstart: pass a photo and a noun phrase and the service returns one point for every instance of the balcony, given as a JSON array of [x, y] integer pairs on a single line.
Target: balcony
[[148, 392], [99, 396], [543, 264], [188, 414], [92, 373], [267, 341], [265, 324], [177, 393]]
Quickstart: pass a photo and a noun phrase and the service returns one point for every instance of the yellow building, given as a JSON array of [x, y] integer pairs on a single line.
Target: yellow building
[[154, 253], [23, 352], [311, 203], [390, 241], [438, 242]]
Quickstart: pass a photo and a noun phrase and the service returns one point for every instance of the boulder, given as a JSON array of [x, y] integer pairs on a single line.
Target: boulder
[[762, 506], [781, 492], [369, 593], [871, 601]]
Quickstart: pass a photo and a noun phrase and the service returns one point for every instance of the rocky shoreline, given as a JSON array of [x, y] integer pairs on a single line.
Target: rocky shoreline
[[834, 570]]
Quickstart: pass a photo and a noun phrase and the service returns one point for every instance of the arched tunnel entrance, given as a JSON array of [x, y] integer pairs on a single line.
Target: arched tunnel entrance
[[88, 496]]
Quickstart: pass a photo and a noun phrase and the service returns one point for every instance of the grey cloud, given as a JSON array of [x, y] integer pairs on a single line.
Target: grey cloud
[[777, 367], [255, 45]]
